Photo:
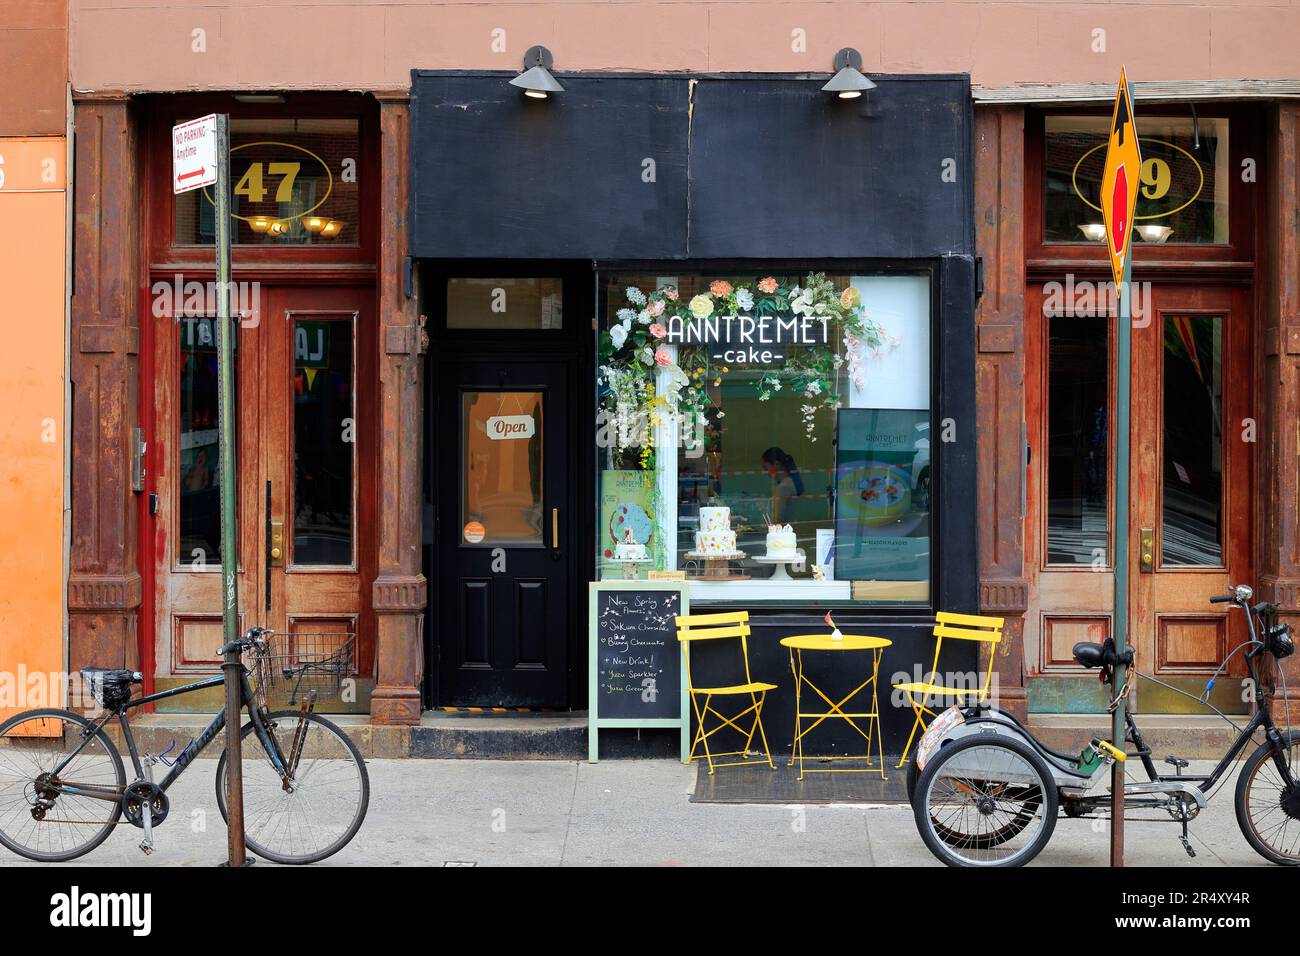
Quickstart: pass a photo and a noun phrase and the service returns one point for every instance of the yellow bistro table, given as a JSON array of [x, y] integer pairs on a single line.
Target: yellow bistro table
[[824, 642]]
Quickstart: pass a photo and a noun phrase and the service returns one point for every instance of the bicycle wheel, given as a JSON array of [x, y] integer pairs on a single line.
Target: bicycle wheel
[[985, 801], [323, 808], [1268, 811], [37, 819]]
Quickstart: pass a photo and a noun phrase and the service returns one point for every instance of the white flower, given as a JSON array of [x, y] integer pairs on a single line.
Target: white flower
[[647, 356], [776, 386], [618, 335], [744, 299], [626, 315], [814, 387], [643, 317], [635, 295]]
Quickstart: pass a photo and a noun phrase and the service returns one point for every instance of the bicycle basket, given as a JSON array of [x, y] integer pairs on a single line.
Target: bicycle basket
[[110, 687], [295, 664]]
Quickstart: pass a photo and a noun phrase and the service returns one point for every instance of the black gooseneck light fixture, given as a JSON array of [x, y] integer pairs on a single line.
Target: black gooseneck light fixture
[[536, 80], [848, 83]]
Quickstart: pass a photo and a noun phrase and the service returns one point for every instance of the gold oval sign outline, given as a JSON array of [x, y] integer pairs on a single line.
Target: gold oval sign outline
[[306, 212], [1200, 187]]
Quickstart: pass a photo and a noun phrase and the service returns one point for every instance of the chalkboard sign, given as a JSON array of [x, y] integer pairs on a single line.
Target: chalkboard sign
[[636, 660]]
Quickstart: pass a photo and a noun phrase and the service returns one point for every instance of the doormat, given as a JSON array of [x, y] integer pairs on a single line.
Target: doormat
[[760, 784]]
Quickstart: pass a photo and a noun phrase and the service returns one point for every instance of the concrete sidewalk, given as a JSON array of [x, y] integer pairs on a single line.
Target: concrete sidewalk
[[627, 813]]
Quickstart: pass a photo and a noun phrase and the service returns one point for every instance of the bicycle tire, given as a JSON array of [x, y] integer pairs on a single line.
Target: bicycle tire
[[112, 810], [1261, 760], [943, 845], [291, 718]]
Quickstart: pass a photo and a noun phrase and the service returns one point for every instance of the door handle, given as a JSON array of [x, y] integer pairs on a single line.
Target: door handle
[[1146, 550], [555, 533]]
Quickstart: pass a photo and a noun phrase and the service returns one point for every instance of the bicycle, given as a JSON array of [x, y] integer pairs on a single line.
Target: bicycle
[[63, 786], [990, 793]]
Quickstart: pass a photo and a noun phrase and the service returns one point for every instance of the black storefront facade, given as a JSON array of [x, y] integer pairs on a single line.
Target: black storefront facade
[[694, 314]]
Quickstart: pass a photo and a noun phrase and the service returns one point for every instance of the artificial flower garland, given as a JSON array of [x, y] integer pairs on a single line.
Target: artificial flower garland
[[635, 347]]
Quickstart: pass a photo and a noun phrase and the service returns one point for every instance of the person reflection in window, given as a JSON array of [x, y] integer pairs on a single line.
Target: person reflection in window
[[786, 483], [199, 475]]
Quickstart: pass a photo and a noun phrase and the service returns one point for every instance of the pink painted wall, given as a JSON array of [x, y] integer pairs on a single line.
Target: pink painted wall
[[355, 44]]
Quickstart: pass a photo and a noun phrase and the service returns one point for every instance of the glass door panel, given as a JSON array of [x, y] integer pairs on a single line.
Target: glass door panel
[[501, 468]]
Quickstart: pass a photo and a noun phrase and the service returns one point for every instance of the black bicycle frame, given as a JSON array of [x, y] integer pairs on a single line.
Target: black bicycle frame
[[192, 749], [1260, 719]]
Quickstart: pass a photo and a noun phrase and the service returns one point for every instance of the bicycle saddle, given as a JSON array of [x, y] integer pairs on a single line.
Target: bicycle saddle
[[1089, 654]]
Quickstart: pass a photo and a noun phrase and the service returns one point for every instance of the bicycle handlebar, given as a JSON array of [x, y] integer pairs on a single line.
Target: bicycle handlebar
[[240, 644]]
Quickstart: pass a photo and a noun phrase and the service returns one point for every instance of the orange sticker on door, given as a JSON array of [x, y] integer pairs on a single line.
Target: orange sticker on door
[[474, 532]]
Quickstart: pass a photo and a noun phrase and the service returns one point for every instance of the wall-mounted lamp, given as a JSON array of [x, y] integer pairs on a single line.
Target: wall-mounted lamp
[[1156, 234], [1093, 231], [848, 83], [536, 80]]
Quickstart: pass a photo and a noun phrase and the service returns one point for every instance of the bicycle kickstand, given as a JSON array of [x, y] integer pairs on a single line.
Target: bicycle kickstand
[[1187, 844]]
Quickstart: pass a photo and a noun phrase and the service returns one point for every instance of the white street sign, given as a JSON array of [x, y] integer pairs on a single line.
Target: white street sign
[[194, 154]]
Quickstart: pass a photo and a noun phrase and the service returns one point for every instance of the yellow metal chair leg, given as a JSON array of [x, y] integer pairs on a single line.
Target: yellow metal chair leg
[[917, 723], [758, 722]]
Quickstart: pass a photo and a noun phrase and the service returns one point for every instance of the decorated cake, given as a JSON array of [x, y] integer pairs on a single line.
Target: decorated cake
[[781, 541], [715, 535], [629, 549]]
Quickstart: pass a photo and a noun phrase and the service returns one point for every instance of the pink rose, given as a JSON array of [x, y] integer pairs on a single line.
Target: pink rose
[[767, 285], [663, 358], [659, 331], [670, 293], [656, 307]]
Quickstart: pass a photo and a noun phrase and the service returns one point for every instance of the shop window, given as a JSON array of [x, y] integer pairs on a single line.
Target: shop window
[[1191, 528], [513, 303], [200, 458], [1183, 194], [767, 435], [294, 182], [1078, 446], [324, 423]]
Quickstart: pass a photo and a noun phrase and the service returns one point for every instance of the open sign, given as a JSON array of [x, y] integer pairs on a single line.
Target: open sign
[[506, 427]]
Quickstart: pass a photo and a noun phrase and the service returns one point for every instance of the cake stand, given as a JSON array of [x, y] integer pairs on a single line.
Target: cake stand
[[795, 557], [632, 567], [717, 564]]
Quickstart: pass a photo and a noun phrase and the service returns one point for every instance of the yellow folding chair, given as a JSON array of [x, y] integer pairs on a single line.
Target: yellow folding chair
[[711, 627], [960, 627]]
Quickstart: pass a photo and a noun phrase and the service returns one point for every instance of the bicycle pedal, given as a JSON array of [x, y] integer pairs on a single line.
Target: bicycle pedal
[[1187, 845], [146, 847], [1178, 763]]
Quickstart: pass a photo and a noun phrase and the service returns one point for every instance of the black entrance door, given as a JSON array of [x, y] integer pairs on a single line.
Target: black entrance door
[[504, 549]]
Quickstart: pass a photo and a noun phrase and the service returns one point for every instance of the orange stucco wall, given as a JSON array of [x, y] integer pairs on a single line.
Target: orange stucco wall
[[33, 247], [373, 44]]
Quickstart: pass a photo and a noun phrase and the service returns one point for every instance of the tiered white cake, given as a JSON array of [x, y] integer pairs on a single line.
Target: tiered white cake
[[781, 541], [715, 535], [629, 549]]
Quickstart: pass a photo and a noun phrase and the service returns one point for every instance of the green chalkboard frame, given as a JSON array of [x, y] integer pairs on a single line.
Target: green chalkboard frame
[[596, 723]]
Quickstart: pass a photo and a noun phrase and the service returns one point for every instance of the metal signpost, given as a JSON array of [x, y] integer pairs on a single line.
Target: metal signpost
[[1119, 186], [201, 157]]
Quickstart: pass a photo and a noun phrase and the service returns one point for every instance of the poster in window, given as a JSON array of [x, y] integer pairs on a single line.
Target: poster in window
[[897, 375], [626, 515], [882, 515]]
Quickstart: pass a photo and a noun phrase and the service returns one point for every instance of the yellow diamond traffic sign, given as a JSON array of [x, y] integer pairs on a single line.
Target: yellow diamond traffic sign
[[1121, 180]]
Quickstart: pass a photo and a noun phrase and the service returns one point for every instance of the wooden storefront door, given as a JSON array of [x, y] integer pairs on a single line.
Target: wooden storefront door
[[1190, 496], [306, 448]]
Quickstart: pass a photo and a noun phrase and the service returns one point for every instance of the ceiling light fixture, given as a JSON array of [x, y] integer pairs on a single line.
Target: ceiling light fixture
[[848, 83], [1156, 234], [1093, 231], [536, 80]]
